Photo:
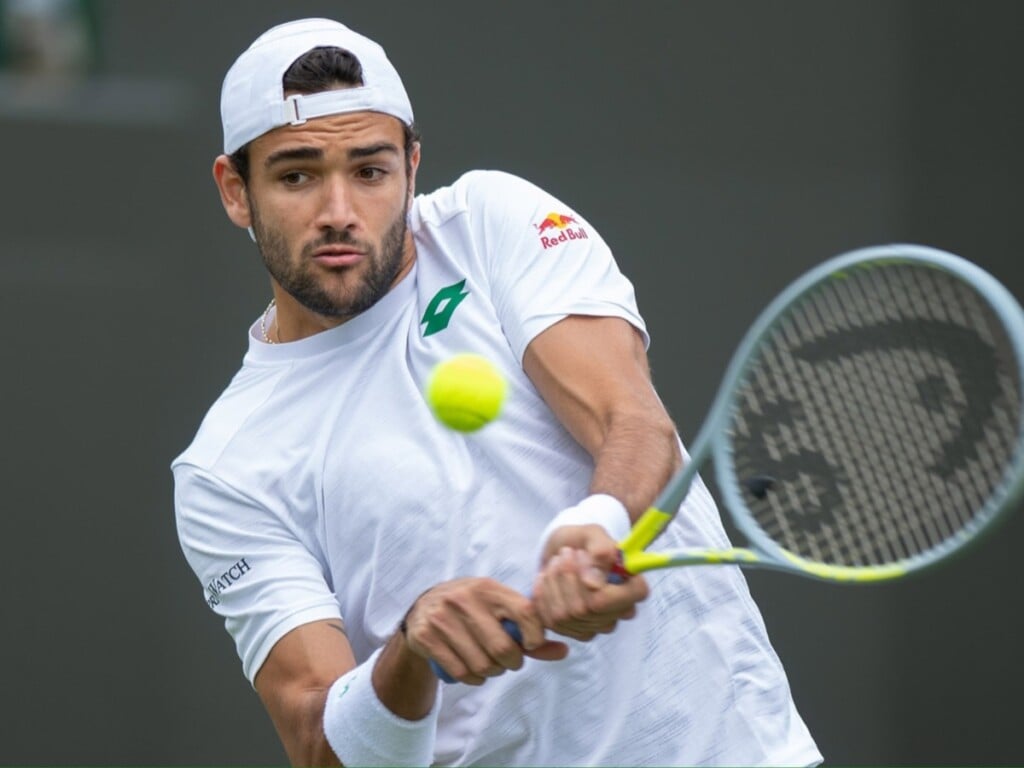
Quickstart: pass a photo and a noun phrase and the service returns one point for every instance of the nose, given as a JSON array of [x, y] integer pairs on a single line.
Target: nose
[[335, 208]]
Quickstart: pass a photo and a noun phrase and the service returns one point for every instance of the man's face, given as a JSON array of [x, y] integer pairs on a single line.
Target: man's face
[[328, 201]]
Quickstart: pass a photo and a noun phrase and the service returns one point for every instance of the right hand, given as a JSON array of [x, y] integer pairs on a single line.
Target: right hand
[[458, 624], [572, 594]]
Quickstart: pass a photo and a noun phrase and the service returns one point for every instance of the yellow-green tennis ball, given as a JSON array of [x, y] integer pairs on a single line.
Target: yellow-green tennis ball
[[466, 392]]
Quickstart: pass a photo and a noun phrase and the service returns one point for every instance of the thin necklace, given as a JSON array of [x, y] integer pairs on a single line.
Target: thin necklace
[[263, 324]]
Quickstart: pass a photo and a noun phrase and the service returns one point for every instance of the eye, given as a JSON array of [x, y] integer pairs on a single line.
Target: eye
[[371, 173], [294, 178]]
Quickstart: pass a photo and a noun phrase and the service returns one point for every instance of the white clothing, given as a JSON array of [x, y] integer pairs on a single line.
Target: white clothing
[[320, 486]]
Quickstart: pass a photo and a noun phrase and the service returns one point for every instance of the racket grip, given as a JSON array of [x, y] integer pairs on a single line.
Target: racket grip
[[617, 575], [513, 631], [443, 676]]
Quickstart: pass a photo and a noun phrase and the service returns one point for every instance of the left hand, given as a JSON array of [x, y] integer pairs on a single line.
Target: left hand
[[572, 595]]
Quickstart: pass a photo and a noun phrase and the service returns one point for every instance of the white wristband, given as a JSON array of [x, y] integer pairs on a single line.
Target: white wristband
[[597, 509], [362, 731]]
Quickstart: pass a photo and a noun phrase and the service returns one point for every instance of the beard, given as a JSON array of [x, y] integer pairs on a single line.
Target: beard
[[298, 278]]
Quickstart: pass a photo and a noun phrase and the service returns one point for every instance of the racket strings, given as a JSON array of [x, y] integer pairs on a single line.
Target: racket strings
[[885, 407]]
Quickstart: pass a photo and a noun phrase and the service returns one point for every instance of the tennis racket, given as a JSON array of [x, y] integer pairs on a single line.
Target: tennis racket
[[869, 426]]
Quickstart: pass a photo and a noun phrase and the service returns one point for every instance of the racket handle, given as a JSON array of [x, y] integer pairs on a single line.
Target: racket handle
[[617, 575], [513, 631], [443, 676]]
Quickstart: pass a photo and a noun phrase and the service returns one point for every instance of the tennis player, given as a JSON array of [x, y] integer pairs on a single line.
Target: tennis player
[[348, 539]]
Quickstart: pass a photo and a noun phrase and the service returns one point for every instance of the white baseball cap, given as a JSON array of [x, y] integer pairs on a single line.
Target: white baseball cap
[[252, 100]]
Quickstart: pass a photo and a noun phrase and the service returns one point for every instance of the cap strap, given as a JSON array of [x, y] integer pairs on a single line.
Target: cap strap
[[300, 107]]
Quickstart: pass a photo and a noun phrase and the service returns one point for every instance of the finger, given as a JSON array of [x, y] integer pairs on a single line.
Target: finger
[[456, 669], [561, 598], [555, 595], [502, 646], [528, 624], [603, 551], [472, 662], [593, 538], [581, 584], [472, 665], [604, 608], [590, 574], [633, 590], [544, 593], [616, 600], [549, 650], [464, 638], [489, 649], [574, 592], [450, 659]]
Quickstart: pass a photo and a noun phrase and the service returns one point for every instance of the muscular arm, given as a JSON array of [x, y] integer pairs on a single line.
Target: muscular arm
[[455, 622], [294, 681], [593, 373]]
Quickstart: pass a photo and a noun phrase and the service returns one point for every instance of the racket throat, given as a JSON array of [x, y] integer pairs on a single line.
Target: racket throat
[[645, 530], [638, 562]]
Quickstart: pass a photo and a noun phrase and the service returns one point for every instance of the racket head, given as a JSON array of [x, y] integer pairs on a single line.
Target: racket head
[[871, 423]]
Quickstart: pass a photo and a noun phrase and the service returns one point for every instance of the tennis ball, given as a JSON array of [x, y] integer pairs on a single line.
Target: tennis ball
[[466, 392]]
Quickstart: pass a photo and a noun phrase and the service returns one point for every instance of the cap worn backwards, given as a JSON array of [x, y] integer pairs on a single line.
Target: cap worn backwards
[[252, 99]]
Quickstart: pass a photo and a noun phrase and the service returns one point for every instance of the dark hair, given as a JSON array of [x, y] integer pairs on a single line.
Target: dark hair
[[322, 69]]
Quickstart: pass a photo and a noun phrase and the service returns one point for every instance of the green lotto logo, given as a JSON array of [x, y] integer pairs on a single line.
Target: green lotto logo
[[556, 229], [442, 306]]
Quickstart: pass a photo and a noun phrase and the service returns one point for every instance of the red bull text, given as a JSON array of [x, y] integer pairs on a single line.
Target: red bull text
[[558, 225]]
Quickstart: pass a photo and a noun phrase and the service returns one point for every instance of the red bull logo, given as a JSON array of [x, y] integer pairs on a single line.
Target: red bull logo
[[559, 230]]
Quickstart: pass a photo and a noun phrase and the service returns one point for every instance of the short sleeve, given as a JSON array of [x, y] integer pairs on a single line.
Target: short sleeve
[[254, 571], [544, 260]]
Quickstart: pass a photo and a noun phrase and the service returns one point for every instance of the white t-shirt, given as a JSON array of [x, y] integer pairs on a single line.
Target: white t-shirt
[[320, 486]]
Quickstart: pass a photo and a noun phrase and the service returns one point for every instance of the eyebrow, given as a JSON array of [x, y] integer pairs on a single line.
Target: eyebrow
[[313, 153], [297, 153], [360, 152]]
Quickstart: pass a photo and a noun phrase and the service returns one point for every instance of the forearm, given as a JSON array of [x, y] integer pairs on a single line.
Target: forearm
[[593, 373], [637, 456], [403, 680], [327, 708]]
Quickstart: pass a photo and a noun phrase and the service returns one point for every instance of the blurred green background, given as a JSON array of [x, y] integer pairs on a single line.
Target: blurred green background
[[721, 148]]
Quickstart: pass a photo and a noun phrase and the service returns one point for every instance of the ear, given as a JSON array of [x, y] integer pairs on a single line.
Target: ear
[[232, 192], [414, 164]]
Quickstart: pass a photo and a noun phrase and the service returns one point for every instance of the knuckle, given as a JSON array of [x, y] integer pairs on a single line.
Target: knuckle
[[560, 615], [485, 670], [452, 600], [578, 611], [514, 662], [506, 647], [597, 602], [641, 589]]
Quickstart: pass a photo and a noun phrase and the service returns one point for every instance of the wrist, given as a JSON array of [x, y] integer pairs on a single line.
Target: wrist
[[363, 730], [402, 634], [597, 509]]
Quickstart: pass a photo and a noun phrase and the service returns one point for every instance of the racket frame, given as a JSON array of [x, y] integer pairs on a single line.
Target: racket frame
[[713, 440]]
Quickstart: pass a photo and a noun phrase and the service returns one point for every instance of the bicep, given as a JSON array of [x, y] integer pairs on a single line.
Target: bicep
[[293, 683], [590, 371]]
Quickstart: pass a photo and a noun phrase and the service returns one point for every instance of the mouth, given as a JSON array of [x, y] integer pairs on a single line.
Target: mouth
[[337, 256]]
